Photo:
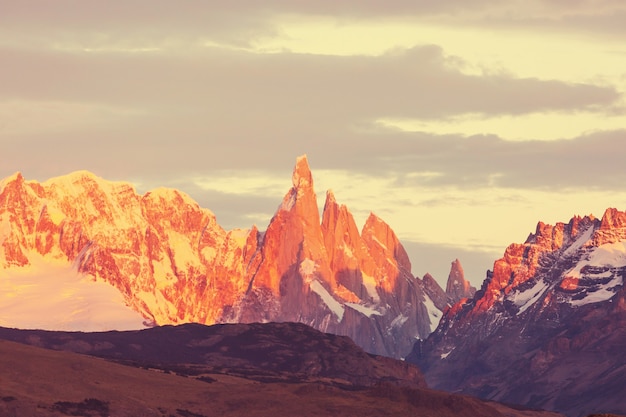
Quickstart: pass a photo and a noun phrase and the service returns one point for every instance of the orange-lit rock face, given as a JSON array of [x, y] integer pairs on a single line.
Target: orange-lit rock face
[[158, 250], [345, 248], [383, 244], [327, 275], [569, 283], [550, 251], [520, 261], [293, 236], [173, 263], [612, 227]]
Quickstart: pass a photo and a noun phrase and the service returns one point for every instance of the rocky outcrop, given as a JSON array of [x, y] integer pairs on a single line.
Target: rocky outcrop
[[173, 262], [545, 327], [457, 287], [435, 292]]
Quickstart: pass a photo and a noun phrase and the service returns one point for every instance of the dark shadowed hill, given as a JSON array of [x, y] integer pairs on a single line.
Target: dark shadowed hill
[[227, 370], [266, 352]]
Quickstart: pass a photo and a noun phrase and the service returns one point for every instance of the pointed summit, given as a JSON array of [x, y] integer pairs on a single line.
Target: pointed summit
[[330, 197], [377, 233], [457, 287], [301, 197], [293, 236], [613, 219], [16, 178], [302, 173], [435, 292]]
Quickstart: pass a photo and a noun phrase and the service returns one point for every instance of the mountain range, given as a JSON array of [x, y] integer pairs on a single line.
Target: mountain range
[[546, 329], [548, 326], [81, 253]]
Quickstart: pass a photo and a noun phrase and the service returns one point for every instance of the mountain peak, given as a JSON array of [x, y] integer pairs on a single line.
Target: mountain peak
[[435, 292], [302, 176], [377, 233], [86, 181], [457, 286], [16, 177], [301, 197], [74, 176], [330, 197], [613, 219]]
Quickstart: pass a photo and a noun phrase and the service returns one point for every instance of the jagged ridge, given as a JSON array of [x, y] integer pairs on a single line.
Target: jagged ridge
[[173, 263], [545, 328]]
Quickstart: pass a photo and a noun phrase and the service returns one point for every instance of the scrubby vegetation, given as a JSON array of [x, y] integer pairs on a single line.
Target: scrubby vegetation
[[89, 407]]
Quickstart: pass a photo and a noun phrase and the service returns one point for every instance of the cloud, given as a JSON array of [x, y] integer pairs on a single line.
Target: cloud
[[235, 91], [592, 19], [159, 116], [56, 116], [585, 163]]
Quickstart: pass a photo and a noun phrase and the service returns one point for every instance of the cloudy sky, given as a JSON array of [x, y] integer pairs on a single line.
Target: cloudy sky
[[460, 122]]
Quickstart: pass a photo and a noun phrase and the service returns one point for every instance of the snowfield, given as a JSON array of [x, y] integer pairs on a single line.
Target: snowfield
[[54, 296]]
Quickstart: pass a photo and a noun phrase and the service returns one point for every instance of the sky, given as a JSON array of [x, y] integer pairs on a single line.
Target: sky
[[461, 123]]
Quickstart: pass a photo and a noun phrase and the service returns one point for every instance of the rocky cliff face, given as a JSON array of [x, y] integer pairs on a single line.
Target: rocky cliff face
[[545, 328], [174, 264]]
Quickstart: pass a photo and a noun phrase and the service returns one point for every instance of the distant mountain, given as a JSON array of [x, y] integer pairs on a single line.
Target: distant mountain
[[457, 287], [65, 242], [548, 327], [224, 370]]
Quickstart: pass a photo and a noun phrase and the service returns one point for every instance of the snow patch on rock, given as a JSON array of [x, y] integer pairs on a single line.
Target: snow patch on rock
[[399, 320], [307, 269], [434, 314], [580, 242], [366, 311], [369, 282], [526, 298], [595, 288], [334, 305]]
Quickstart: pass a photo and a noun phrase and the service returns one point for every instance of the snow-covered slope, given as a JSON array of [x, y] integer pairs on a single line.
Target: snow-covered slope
[[51, 295]]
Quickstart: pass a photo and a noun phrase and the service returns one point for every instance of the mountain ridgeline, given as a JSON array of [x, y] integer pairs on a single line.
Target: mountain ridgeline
[[173, 263], [548, 327]]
